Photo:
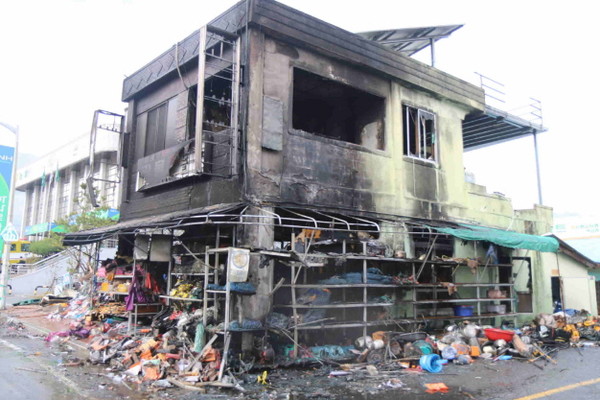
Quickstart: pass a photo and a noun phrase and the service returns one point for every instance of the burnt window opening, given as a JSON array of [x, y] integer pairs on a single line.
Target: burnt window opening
[[217, 129], [156, 129], [191, 113], [217, 102], [420, 139], [328, 108]]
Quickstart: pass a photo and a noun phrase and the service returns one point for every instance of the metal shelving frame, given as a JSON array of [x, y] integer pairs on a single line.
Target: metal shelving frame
[[296, 267]]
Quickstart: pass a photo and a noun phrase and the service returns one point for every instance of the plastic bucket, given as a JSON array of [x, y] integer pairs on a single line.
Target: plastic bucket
[[431, 363]]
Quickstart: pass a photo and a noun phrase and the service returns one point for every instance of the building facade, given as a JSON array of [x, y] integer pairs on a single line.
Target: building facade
[[55, 185], [272, 131]]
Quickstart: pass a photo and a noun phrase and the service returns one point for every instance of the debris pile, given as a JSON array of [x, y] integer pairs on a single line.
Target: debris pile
[[178, 356]]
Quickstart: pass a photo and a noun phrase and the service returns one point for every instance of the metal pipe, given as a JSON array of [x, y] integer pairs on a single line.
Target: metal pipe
[[432, 45], [537, 168]]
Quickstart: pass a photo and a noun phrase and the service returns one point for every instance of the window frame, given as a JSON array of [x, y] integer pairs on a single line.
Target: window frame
[[407, 133], [164, 116]]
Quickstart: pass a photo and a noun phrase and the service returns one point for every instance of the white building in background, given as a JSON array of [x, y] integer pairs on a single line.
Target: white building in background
[[53, 183]]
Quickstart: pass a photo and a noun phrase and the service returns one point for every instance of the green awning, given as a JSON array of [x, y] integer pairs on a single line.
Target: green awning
[[500, 237]]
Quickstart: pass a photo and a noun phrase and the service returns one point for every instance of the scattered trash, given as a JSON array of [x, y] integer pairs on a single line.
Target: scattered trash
[[437, 388], [372, 370], [432, 363], [394, 383]]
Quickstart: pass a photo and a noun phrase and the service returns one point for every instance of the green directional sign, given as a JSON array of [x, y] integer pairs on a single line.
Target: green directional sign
[[7, 155]]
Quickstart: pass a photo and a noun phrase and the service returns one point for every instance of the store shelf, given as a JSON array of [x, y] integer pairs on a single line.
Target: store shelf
[[348, 324], [188, 273], [471, 317], [459, 285], [114, 293], [345, 286], [355, 256], [337, 305], [123, 277], [181, 298], [445, 301]]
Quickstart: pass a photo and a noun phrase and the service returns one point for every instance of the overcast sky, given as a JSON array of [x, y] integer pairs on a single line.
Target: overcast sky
[[61, 60]]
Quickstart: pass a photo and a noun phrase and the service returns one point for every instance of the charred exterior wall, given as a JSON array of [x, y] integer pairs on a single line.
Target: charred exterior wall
[[179, 194], [313, 169], [292, 166], [324, 127]]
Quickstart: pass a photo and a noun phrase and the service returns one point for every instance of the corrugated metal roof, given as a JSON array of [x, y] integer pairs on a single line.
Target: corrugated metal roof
[[410, 40], [494, 126], [155, 222]]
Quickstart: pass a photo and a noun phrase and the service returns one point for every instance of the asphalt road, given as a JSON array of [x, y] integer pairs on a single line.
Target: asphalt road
[[31, 369], [24, 377]]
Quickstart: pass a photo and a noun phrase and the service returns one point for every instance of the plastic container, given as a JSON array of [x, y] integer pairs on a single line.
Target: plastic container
[[462, 348], [497, 308], [495, 334], [423, 346], [432, 363], [463, 311], [449, 353]]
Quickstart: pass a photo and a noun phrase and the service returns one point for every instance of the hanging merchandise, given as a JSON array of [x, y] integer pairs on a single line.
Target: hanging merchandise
[[136, 293]]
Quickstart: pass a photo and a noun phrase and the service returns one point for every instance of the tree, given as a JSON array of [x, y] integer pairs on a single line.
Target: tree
[[85, 218], [48, 246]]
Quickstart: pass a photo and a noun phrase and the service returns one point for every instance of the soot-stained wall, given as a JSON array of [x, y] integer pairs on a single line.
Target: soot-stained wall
[[364, 170]]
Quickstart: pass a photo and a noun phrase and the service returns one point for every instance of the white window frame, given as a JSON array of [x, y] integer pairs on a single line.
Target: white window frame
[[421, 145]]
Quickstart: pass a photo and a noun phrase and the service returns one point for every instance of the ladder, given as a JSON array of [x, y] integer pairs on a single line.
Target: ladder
[[217, 104]]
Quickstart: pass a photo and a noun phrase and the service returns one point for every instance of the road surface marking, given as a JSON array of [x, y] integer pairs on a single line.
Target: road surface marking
[[560, 389], [12, 346]]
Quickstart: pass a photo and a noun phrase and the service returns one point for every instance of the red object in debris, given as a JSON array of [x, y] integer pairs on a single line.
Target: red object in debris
[[437, 387], [497, 334]]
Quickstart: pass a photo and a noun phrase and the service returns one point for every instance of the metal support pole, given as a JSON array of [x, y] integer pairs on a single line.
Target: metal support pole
[[537, 168], [6, 255], [432, 47]]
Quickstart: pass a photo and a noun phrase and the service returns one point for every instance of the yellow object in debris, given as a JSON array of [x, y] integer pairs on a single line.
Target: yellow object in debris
[[262, 379]]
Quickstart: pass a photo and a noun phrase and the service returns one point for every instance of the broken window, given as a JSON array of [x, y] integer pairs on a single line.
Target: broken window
[[324, 107], [156, 129], [419, 134]]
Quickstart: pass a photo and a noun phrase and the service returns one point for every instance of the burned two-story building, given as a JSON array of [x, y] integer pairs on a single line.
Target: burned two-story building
[[332, 163]]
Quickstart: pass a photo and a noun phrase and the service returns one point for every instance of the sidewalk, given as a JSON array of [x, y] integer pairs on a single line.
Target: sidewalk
[[34, 317]]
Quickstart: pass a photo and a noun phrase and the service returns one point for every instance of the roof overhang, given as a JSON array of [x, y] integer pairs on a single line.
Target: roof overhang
[[163, 221], [410, 40], [230, 214], [570, 251], [299, 29], [493, 126]]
